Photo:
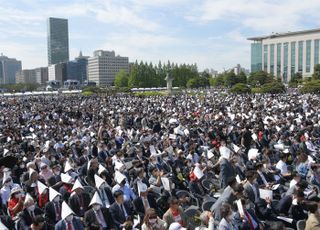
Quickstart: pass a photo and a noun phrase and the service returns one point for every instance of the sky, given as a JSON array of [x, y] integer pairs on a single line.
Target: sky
[[211, 33]]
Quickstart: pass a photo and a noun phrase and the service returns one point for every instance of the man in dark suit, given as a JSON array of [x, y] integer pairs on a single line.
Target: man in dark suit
[[120, 211], [144, 201], [251, 189], [69, 221], [104, 191], [79, 199], [226, 172], [98, 217], [265, 210], [53, 208], [248, 221]]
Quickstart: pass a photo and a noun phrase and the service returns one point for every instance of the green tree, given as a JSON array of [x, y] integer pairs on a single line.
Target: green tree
[[121, 79], [311, 87], [230, 79], [259, 78], [198, 82], [240, 88], [295, 80], [316, 72], [242, 78], [274, 87]]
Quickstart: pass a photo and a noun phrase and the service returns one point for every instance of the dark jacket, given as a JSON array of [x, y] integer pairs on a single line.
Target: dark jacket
[[91, 221], [75, 205], [117, 214]]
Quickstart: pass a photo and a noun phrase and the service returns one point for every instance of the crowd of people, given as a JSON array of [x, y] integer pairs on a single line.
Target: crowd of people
[[191, 161]]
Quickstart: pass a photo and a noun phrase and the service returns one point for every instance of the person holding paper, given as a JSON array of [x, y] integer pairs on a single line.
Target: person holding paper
[[207, 221], [226, 171], [226, 222], [151, 221], [251, 189], [282, 165], [246, 219]]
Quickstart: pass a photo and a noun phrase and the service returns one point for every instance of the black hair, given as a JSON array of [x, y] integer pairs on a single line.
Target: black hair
[[117, 194]]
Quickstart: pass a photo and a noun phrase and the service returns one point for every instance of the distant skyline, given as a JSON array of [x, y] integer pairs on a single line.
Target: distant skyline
[[211, 33]]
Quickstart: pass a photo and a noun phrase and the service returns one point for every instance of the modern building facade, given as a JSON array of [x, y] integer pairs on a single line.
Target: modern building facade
[[104, 66], [33, 76], [286, 54], [58, 41], [41, 75], [57, 72], [26, 76], [8, 69], [78, 69]]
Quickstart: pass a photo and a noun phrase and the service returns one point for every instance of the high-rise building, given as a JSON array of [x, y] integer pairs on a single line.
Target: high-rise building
[[33, 76], [58, 41], [57, 72], [78, 68], [104, 66], [284, 54], [41, 75], [8, 69]]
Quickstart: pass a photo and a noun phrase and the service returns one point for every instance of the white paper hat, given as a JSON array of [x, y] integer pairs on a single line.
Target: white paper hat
[[31, 171], [52, 194], [142, 187], [2, 226], [118, 165], [96, 199], [76, 185], [27, 198], [279, 146], [67, 166], [101, 169], [119, 177], [225, 152], [5, 151], [6, 176], [65, 178], [98, 181], [65, 210], [253, 153], [41, 187]]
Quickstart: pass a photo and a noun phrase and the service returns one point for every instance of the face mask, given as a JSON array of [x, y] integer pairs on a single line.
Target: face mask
[[17, 196], [57, 172], [31, 208], [69, 218], [96, 207], [166, 158], [56, 199], [122, 158], [152, 221], [22, 166]]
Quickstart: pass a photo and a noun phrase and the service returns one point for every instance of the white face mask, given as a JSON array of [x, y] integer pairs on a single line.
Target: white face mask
[[31, 208], [152, 221], [56, 199], [17, 195], [69, 218], [96, 207]]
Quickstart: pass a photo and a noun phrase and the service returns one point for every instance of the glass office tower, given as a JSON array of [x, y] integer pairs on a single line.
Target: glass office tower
[[58, 41]]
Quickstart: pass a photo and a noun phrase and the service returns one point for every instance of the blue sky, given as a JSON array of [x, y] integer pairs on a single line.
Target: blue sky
[[211, 33]]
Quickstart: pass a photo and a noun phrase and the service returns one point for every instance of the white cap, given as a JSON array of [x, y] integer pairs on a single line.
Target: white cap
[[76, 185], [119, 177], [31, 171], [41, 187], [52, 194], [176, 226], [253, 153], [67, 166], [6, 176], [65, 178], [225, 152], [101, 169], [98, 181], [66, 210], [2, 226], [27, 198], [142, 187], [96, 199]]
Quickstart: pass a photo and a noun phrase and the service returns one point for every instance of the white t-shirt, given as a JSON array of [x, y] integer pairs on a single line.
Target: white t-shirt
[[282, 166]]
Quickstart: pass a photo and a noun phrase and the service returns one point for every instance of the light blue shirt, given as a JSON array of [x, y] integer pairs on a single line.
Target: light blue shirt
[[128, 193]]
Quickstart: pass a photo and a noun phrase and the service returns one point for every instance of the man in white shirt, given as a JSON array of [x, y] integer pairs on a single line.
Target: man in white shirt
[[282, 165]]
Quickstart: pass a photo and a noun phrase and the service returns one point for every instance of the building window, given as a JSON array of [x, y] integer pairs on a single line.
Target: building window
[[293, 57], [272, 59], [265, 57], [316, 51], [285, 62], [300, 56], [279, 60], [308, 56], [256, 57]]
